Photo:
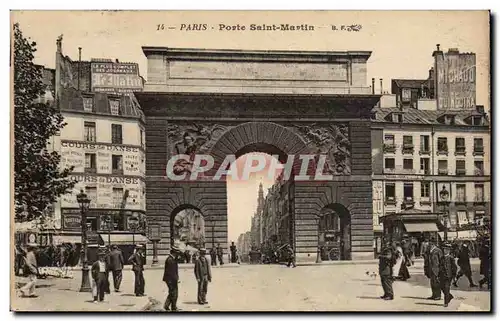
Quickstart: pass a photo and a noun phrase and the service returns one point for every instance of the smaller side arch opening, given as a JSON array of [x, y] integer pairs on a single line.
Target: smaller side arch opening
[[187, 229], [334, 233]]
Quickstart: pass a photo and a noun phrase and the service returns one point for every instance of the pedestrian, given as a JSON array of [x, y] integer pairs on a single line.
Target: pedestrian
[[213, 256], [485, 265], [220, 254], [424, 248], [99, 276], [116, 263], [431, 268], [203, 276], [291, 256], [447, 272], [30, 269], [386, 263], [107, 251], [233, 252], [171, 278], [464, 264], [137, 261]]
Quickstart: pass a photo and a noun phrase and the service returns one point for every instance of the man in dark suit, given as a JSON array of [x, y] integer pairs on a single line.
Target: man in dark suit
[[220, 253], [447, 271], [213, 257], [233, 252], [431, 269], [171, 278], [464, 264], [386, 262], [137, 261], [99, 275], [203, 276], [485, 265], [116, 262]]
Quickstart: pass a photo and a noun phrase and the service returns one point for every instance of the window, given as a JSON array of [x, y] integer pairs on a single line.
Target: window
[[408, 191], [90, 165], [114, 106], [460, 146], [92, 195], [116, 134], [478, 168], [477, 120], [442, 145], [424, 144], [406, 94], [462, 218], [460, 167], [407, 144], [478, 146], [460, 193], [424, 165], [425, 189], [479, 193], [389, 163], [117, 164], [408, 163], [442, 167], [117, 197], [88, 104], [390, 193], [142, 138], [89, 131], [389, 143]]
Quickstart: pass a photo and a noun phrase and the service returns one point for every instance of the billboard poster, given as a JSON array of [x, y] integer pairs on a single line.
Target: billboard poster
[[112, 77], [456, 80]]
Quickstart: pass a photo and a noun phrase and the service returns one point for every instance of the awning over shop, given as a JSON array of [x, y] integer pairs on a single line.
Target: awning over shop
[[60, 239], [420, 227], [124, 238], [467, 235]]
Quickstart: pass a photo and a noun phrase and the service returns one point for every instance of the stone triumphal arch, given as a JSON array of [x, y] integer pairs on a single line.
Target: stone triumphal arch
[[222, 102]]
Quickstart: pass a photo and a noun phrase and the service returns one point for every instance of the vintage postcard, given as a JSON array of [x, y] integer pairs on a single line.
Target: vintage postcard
[[251, 161]]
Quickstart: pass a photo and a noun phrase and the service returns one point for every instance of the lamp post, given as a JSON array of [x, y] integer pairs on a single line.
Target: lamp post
[[109, 226], [444, 196], [318, 249], [84, 203]]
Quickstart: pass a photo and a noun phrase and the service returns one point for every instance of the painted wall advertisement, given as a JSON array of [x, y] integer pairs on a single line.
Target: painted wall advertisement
[[106, 188], [73, 154], [116, 77], [456, 81]]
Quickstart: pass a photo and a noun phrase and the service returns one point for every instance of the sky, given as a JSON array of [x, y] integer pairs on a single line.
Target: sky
[[401, 43]]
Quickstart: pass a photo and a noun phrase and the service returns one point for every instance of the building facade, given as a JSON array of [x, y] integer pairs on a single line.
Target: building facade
[[431, 162], [104, 142]]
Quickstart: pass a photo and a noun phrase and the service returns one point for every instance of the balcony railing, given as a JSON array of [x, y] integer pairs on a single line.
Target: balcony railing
[[442, 151], [478, 172], [460, 171], [424, 151], [389, 148], [408, 149], [390, 201], [442, 171], [90, 170], [460, 151], [478, 151]]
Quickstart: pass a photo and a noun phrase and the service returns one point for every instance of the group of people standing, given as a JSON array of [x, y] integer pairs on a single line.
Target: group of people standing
[[202, 274], [112, 262], [440, 266]]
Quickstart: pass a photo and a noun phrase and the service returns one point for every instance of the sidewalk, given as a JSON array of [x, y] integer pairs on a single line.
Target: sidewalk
[[56, 294]]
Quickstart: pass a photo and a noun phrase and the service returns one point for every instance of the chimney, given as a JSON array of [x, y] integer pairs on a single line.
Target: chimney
[[381, 86], [373, 86], [437, 51], [59, 44], [79, 62], [431, 73]]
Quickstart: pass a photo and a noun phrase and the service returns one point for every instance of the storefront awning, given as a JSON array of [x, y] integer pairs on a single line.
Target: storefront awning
[[124, 238], [467, 235], [61, 239], [420, 227]]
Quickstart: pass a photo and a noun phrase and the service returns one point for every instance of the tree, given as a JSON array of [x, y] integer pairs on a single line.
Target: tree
[[38, 180]]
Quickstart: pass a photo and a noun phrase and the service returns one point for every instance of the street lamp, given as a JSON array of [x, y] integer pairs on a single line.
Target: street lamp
[[84, 203], [444, 195]]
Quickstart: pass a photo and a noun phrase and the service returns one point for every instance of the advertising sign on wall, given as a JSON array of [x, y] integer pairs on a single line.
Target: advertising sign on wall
[[456, 80], [116, 77]]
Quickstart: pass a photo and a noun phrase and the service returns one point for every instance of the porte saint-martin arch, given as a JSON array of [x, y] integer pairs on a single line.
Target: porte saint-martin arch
[[232, 102]]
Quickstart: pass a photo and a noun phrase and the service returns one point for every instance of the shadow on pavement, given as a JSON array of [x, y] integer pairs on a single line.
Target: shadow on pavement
[[127, 294], [191, 302], [369, 297], [435, 304], [414, 297]]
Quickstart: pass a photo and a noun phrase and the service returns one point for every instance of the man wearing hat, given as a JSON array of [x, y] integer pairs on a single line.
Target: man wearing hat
[[485, 265], [447, 271], [30, 268], [137, 261], [100, 276], [171, 278], [386, 263], [464, 264], [431, 268], [116, 263], [203, 276]]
